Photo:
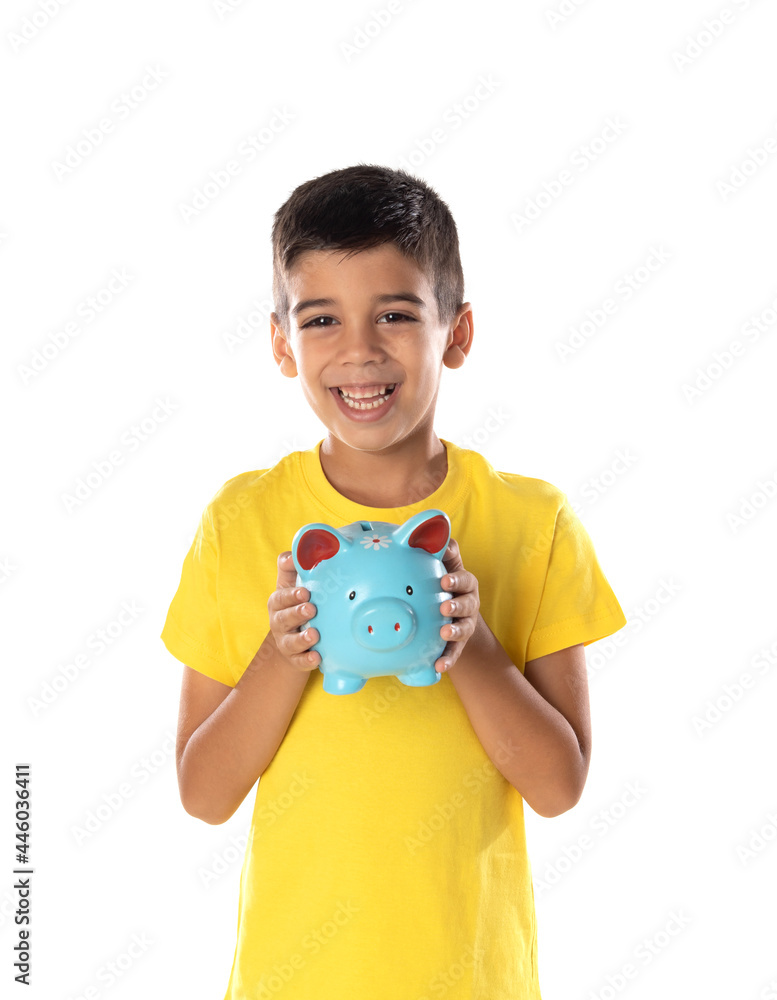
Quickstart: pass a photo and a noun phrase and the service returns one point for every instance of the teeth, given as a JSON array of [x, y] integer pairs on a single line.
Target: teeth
[[364, 406], [366, 395], [353, 399]]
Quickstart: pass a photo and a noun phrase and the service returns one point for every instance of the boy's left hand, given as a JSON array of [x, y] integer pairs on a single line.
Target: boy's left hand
[[464, 607]]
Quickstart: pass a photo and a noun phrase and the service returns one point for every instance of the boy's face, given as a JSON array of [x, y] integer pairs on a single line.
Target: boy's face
[[363, 339]]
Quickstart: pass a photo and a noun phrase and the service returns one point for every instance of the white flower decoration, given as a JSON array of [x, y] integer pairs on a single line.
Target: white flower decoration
[[376, 542]]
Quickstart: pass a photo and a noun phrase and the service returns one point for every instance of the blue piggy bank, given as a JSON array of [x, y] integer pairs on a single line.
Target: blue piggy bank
[[376, 588]]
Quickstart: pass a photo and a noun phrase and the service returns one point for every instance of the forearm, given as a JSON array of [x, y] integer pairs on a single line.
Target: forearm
[[232, 748], [526, 738]]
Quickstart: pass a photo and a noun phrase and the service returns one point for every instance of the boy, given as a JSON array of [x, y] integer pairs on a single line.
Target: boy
[[387, 854]]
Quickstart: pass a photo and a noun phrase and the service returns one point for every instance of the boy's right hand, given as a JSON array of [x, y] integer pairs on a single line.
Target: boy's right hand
[[288, 609]]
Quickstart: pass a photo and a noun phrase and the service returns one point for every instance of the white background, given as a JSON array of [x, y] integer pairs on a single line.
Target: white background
[[672, 892]]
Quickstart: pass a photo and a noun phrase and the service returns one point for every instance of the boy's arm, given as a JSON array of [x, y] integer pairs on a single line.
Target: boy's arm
[[535, 727], [228, 736]]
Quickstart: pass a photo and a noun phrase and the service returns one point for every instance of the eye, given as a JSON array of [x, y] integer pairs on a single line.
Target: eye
[[352, 595], [402, 318], [399, 318], [313, 321], [409, 589]]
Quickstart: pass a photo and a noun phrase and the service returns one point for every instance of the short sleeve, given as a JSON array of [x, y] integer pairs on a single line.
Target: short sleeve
[[577, 603], [192, 630]]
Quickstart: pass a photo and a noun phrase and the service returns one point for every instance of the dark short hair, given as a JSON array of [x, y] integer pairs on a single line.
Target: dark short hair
[[366, 206]]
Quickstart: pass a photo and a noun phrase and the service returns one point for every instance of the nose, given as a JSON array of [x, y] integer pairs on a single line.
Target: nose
[[384, 623], [359, 341]]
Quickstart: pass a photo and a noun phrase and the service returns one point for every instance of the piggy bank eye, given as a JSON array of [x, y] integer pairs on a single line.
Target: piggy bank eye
[[409, 589], [352, 595]]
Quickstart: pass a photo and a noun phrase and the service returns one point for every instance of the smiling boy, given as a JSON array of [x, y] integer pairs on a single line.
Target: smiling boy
[[387, 854], [381, 450]]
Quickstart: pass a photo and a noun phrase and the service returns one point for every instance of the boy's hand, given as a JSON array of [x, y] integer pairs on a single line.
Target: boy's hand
[[288, 609], [464, 608]]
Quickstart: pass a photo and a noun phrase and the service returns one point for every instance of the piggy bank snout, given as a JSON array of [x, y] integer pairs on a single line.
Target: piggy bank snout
[[384, 623]]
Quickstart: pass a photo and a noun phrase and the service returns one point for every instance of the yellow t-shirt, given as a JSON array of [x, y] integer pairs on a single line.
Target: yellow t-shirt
[[387, 855]]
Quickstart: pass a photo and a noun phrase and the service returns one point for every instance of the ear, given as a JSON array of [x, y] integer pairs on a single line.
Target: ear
[[281, 350], [314, 543], [429, 530]]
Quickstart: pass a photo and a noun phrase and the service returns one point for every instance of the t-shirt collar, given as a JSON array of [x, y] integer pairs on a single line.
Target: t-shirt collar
[[447, 497]]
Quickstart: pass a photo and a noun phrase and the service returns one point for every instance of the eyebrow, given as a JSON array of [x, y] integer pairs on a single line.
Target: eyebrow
[[381, 299]]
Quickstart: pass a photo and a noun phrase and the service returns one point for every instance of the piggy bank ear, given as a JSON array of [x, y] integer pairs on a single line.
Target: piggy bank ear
[[313, 544], [430, 530]]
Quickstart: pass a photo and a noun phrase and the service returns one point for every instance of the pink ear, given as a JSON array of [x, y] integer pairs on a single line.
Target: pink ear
[[315, 546], [430, 535]]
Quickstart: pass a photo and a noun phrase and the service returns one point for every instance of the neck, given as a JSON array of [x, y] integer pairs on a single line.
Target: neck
[[396, 476]]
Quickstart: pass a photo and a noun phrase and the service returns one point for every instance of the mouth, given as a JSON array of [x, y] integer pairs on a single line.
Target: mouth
[[366, 402], [366, 397]]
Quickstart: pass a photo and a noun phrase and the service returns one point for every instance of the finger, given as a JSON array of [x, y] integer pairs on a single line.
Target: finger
[[300, 642], [296, 648], [289, 619], [451, 609], [287, 572], [460, 581], [452, 553], [287, 580], [461, 606], [447, 656], [285, 647], [287, 597], [451, 632]]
